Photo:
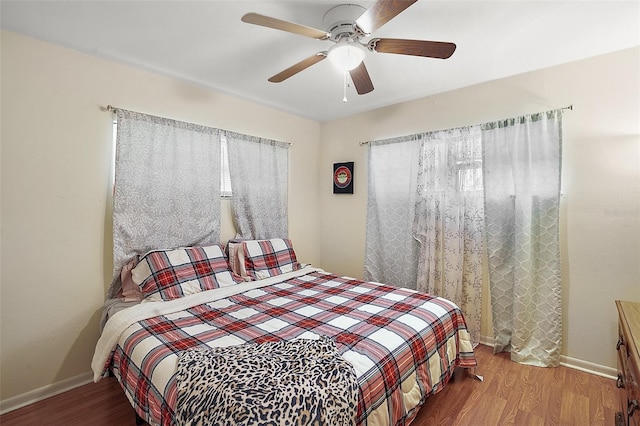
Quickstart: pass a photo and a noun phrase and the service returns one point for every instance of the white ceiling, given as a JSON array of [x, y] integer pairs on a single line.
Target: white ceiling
[[204, 42]]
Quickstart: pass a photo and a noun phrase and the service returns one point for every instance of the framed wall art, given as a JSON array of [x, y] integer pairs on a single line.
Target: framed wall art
[[343, 178]]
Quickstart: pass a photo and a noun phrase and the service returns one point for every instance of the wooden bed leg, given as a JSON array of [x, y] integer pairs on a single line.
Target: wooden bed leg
[[139, 420]]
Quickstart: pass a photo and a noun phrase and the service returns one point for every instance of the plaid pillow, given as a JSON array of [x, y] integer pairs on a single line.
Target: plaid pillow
[[268, 258], [171, 274]]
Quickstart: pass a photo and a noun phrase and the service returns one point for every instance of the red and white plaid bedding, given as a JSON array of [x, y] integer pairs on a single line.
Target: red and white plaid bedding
[[403, 344]]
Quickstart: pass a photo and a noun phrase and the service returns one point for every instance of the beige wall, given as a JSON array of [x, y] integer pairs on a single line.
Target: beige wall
[[56, 166], [601, 181], [56, 219]]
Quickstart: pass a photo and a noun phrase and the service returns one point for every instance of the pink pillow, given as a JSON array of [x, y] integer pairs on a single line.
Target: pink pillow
[[235, 263], [130, 291]]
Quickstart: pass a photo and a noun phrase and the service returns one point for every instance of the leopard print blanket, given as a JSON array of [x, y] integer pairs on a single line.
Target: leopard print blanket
[[300, 382]]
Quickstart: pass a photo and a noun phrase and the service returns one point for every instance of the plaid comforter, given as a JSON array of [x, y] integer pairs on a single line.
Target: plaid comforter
[[403, 344]]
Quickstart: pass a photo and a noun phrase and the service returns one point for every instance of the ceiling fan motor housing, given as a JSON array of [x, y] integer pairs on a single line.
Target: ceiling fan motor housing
[[339, 21]]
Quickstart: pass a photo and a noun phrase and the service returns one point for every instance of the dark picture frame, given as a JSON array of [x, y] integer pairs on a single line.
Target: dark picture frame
[[343, 178]]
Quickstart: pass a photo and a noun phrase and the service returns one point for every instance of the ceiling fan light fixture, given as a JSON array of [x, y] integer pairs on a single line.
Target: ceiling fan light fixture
[[346, 54]]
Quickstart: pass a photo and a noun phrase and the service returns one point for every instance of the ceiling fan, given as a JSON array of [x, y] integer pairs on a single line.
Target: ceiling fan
[[347, 25]]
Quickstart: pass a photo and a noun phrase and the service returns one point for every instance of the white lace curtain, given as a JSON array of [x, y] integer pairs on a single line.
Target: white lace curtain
[[259, 181], [448, 220], [167, 185], [522, 199]]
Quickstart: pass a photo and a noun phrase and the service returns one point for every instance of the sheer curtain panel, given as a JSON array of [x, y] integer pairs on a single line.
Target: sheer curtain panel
[[449, 220], [522, 194], [259, 182], [391, 250], [167, 185]]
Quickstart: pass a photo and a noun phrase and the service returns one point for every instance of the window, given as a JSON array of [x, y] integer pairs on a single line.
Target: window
[[469, 176], [225, 177], [113, 154]]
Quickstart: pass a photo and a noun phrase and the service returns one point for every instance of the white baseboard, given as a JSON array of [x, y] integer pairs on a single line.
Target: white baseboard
[[567, 361], [44, 392], [589, 367]]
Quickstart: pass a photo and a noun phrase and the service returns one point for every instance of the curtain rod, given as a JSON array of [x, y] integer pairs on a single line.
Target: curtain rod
[[569, 107], [111, 108]]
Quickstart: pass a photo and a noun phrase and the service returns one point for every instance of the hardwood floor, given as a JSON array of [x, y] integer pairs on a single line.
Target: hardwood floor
[[515, 394], [511, 394]]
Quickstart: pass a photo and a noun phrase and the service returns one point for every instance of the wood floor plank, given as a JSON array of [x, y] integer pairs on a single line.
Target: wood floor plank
[[579, 383], [574, 409], [533, 399], [554, 407], [510, 412], [529, 419], [487, 412], [511, 394]]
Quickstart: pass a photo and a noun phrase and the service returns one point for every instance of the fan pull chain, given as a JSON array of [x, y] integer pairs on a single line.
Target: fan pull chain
[[344, 93]]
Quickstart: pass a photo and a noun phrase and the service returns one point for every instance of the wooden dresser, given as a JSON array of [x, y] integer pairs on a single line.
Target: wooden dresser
[[628, 363]]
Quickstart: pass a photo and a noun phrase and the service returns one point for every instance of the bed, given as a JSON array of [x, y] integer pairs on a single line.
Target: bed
[[400, 345]]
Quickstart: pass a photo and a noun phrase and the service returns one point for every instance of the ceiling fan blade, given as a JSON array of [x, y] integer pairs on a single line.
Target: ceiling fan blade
[[380, 13], [429, 49], [361, 79], [300, 66], [265, 21]]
